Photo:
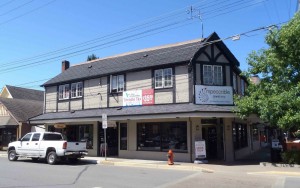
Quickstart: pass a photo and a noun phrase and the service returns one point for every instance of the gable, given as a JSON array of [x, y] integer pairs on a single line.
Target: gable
[[212, 54], [5, 93]]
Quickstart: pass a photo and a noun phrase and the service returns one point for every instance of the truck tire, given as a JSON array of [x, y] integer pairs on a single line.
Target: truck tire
[[12, 155], [52, 158]]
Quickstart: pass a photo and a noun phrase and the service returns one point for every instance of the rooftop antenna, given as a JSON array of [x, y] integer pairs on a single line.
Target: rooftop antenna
[[199, 16]]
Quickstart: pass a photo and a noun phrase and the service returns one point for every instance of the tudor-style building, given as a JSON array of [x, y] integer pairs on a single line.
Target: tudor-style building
[[156, 99]]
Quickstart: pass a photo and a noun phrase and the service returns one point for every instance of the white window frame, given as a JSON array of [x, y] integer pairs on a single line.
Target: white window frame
[[76, 90], [163, 78], [64, 92], [213, 75], [117, 83]]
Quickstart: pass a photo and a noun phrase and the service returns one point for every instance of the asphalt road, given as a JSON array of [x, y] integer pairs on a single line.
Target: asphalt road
[[25, 173]]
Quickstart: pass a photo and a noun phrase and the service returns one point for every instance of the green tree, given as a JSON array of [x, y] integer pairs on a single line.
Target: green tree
[[277, 98], [91, 57]]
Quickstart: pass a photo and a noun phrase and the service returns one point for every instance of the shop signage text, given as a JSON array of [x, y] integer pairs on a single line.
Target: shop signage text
[[213, 94], [138, 97]]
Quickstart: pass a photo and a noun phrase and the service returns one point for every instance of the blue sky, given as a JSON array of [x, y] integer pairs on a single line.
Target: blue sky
[[29, 28]]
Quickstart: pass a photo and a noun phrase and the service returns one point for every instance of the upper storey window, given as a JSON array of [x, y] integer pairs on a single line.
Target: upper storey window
[[234, 82], [116, 83], [76, 90], [163, 78], [212, 75], [63, 92]]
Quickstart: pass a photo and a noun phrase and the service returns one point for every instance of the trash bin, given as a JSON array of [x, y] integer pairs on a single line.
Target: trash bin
[[276, 151], [276, 155]]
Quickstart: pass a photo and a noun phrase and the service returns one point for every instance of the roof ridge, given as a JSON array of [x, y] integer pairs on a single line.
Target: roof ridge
[[143, 50]]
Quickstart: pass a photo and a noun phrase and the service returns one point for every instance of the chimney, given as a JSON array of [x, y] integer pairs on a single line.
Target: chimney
[[255, 79], [65, 65]]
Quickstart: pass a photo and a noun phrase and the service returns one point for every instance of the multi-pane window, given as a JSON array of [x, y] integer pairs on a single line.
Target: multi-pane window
[[212, 75], [116, 83], [76, 90], [63, 92], [163, 78], [234, 82]]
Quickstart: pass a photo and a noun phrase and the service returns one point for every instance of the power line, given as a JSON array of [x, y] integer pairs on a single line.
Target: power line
[[120, 33], [26, 13], [4, 4], [16, 8], [201, 45]]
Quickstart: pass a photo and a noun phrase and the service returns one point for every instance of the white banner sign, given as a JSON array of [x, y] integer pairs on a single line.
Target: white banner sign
[[104, 121], [200, 150], [213, 94], [138, 97]]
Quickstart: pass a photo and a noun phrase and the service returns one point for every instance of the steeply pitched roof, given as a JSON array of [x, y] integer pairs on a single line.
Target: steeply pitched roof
[[163, 55], [22, 109], [147, 58], [135, 111], [24, 93]]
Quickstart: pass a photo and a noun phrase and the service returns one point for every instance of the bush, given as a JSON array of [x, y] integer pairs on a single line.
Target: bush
[[291, 157]]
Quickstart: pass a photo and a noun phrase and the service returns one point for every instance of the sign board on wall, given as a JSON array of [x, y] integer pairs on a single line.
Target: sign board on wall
[[138, 97], [213, 95], [200, 149]]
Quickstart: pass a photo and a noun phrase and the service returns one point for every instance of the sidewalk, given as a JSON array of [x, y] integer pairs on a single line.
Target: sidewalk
[[251, 162]]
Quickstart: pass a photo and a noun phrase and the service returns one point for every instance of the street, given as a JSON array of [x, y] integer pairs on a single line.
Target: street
[[25, 173]]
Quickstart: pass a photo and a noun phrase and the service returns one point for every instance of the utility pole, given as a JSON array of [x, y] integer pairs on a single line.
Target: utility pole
[[199, 16]]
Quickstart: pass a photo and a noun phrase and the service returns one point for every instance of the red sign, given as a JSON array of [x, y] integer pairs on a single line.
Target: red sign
[[147, 97]]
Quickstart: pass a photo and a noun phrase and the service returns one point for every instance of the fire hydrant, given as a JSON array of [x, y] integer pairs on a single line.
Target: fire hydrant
[[170, 157]]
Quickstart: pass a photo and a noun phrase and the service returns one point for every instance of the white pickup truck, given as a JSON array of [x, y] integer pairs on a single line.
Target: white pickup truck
[[49, 145]]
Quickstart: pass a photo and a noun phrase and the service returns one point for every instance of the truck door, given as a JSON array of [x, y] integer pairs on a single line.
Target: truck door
[[24, 144], [34, 144]]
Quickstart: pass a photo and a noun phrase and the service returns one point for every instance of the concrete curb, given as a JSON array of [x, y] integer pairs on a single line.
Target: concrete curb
[[268, 164], [157, 166]]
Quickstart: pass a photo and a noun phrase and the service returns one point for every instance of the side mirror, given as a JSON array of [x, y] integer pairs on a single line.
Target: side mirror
[[20, 139]]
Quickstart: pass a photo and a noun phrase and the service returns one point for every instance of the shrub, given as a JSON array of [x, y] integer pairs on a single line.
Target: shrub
[[291, 157]]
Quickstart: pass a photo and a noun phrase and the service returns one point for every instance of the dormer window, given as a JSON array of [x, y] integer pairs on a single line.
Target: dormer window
[[76, 90], [212, 75], [163, 78], [63, 92], [116, 83]]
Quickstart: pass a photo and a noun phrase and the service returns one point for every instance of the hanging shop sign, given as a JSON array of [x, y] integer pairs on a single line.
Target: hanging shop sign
[[60, 126], [138, 97], [213, 95]]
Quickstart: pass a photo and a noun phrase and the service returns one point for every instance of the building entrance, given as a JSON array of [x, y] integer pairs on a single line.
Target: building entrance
[[212, 133], [111, 146]]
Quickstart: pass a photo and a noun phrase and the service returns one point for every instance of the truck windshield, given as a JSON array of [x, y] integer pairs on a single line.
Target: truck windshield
[[49, 136]]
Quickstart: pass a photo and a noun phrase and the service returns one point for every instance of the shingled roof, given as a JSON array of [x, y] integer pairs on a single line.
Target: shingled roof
[[22, 109], [179, 52], [24, 93]]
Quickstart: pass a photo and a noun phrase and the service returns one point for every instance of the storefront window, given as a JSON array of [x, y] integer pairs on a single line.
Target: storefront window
[[162, 136], [77, 133], [240, 136], [123, 136]]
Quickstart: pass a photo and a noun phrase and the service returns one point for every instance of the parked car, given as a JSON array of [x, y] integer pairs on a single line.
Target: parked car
[[51, 146]]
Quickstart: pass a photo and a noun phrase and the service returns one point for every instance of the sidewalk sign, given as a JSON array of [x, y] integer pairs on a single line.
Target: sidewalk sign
[[200, 152]]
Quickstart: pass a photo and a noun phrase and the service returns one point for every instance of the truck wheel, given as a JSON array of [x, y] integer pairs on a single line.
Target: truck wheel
[[51, 158], [12, 155]]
